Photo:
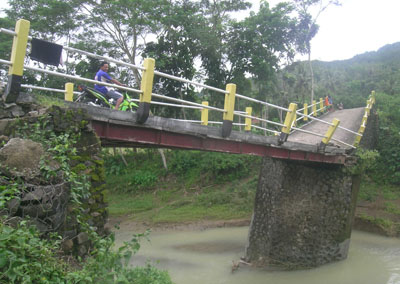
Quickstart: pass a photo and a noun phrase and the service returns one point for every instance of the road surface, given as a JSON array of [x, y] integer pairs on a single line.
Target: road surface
[[349, 118]]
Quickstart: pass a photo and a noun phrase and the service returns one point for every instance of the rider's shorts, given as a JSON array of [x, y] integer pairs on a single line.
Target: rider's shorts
[[114, 94]]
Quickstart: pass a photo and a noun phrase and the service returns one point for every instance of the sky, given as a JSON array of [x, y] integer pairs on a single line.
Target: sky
[[355, 27]]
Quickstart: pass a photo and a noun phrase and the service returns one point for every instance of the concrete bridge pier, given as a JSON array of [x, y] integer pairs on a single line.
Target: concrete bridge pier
[[303, 214]]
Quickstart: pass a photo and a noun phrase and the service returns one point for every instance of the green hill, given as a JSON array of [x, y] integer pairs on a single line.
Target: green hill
[[349, 81]]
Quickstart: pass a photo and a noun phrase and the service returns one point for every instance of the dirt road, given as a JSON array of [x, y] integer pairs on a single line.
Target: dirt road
[[349, 118]]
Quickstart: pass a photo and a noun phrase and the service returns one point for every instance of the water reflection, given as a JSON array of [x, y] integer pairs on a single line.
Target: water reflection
[[206, 257]]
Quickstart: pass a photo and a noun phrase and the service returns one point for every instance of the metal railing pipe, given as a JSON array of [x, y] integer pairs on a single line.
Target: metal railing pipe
[[80, 79], [260, 119], [186, 102], [261, 102], [189, 82], [45, 89], [167, 104], [265, 129]]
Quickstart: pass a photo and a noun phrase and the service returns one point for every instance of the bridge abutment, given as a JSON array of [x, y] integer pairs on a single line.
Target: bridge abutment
[[303, 214]]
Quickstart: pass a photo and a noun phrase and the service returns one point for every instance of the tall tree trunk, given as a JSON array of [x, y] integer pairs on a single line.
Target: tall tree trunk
[[312, 75], [164, 160]]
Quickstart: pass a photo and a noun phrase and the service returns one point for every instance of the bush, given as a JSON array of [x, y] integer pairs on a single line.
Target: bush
[[26, 258], [221, 166], [388, 164], [143, 179]]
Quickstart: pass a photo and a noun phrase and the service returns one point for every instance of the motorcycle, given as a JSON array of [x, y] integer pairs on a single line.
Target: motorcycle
[[92, 97]]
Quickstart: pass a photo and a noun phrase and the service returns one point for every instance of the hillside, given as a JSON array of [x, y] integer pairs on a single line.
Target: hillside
[[349, 81]]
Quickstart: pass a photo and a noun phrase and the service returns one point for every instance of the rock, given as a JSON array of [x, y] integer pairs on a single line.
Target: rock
[[67, 246], [25, 99], [13, 206], [13, 221], [69, 234], [21, 157], [4, 122], [82, 250], [95, 214], [82, 238], [3, 139], [41, 226]]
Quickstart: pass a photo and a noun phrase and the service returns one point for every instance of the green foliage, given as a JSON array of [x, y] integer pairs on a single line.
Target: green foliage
[[142, 172], [26, 258], [366, 160], [216, 166], [9, 189], [388, 165], [20, 251], [368, 191], [214, 198], [392, 208], [197, 185], [143, 179]]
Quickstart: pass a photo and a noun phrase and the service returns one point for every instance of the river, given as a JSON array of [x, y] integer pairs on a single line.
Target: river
[[205, 256]]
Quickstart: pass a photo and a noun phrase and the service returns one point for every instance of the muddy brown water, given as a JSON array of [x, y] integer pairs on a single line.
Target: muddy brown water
[[206, 256]]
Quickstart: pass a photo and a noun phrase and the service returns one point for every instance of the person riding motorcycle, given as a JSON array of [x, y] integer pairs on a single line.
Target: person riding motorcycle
[[102, 76]]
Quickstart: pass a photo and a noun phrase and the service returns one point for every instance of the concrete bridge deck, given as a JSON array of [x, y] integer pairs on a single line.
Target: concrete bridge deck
[[349, 118], [119, 129]]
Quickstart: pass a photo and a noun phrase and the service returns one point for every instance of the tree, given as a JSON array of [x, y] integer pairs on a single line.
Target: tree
[[123, 27], [260, 44], [308, 22], [174, 52]]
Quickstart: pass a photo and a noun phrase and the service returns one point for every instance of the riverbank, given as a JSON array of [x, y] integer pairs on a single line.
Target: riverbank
[[207, 190], [369, 218]]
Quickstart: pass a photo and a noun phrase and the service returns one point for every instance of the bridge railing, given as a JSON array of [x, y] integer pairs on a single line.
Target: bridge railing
[[146, 94]]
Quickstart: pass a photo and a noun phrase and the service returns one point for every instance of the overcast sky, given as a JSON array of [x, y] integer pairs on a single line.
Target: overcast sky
[[355, 27]]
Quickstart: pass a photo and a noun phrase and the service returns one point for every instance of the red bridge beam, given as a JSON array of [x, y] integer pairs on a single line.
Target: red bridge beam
[[134, 136]]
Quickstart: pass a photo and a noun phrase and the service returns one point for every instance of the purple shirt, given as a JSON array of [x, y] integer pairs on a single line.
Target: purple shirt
[[102, 77]]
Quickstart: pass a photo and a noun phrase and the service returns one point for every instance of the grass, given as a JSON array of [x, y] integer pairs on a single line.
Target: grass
[[392, 208], [146, 192], [179, 205], [369, 191]]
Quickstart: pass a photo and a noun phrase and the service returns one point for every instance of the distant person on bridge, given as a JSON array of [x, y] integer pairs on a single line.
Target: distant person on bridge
[[102, 76], [328, 102]]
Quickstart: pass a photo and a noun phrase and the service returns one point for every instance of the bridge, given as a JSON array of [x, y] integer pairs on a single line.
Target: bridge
[[306, 152], [130, 130]]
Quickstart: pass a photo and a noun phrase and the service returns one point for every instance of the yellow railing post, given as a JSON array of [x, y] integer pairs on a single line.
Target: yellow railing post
[[321, 105], [229, 107], [314, 107], [305, 118], [373, 97], [204, 114], [69, 92], [248, 119], [146, 87], [368, 107], [360, 131], [329, 133], [17, 61], [290, 115]]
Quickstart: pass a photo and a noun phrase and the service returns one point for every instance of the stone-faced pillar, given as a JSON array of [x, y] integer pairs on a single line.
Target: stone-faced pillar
[[303, 214]]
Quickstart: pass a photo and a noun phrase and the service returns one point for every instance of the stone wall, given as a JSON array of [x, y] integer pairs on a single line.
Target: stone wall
[[303, 214], [46, 201]]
